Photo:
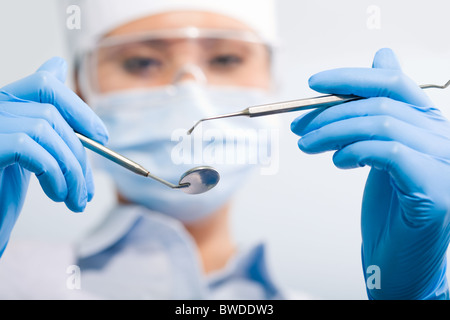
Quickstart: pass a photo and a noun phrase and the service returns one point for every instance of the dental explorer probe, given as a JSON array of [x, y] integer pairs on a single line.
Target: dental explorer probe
[[193, 181], [298, 105]]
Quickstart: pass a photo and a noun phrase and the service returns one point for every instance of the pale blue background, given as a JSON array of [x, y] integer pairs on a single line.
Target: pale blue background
[[308, 212]]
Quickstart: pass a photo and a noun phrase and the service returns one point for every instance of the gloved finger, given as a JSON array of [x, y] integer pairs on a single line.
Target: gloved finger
[[369, 82], [21, 149], [337, 135], [41, 132], [409, 169], [89, 183], [44, 87], [303, 120], [369, 107], [58, 67], [55, 66], [49, 113], [386, 59]]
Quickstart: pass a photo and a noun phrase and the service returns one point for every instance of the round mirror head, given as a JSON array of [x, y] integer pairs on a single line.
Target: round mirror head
[[199, 180]]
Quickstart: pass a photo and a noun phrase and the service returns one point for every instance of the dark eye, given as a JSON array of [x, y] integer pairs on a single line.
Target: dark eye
[[140, 64], [226, 60]]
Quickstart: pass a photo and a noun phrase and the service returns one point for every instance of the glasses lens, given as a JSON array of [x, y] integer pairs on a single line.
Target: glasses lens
[[156, 62]]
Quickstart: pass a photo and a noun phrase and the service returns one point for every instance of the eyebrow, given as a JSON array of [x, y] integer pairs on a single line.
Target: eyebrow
[[157, 43], [166, 44]]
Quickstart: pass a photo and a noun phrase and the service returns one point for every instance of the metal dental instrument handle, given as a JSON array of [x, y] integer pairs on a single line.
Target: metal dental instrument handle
[[429, 86], [194, 181], [297, 105]]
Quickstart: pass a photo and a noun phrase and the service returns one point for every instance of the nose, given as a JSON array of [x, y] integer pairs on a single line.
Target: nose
[[189, 72]]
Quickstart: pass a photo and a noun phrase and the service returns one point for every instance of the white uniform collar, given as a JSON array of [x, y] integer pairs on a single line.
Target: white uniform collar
[[114, 227], [249, 265]]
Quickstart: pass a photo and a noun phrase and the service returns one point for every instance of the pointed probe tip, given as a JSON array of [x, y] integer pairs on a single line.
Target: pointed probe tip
[[447, 84], [189, 132]]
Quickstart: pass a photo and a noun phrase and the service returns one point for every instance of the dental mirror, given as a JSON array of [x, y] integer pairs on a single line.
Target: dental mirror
[[199, 180], [194, 181]]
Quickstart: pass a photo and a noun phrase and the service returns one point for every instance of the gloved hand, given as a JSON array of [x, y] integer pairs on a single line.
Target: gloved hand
[[406, 141], [38, 116]]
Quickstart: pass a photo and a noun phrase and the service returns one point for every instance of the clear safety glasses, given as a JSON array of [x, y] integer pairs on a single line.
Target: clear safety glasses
[[158, 58]]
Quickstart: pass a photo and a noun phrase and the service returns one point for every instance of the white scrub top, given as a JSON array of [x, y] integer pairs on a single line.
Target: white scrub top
[[133, 254]]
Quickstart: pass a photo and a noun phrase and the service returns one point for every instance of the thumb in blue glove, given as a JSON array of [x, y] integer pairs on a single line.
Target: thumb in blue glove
[[38, 116], [406, 141]]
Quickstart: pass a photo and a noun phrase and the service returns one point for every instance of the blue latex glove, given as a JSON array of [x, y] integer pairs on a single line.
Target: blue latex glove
[[37, 115], [406, 141]]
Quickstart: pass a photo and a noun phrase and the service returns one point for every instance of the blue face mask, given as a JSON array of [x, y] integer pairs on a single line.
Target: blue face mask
[[150, 127]]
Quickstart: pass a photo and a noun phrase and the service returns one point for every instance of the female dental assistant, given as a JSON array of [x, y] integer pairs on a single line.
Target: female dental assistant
[[148, 68], [135, 63]]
